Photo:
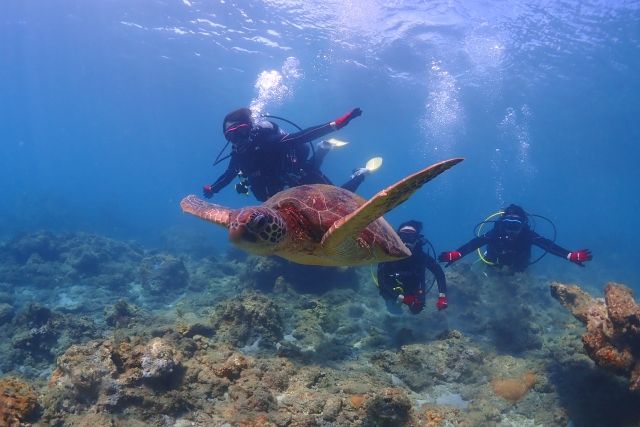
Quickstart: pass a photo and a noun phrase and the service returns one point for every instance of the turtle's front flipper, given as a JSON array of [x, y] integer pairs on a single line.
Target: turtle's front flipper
[[382, 203], [208, 211]]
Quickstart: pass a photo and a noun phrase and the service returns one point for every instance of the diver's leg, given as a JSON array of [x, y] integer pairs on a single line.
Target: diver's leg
[[321, 150], [313, 175], [354, 182], [393, 307]]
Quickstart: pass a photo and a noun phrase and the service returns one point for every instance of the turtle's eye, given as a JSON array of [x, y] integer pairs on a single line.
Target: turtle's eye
[[257, 221]]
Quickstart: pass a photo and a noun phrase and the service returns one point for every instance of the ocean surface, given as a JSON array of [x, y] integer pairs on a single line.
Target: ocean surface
[[111, 112]]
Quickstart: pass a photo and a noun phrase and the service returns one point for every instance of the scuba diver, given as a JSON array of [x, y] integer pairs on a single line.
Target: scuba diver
[[403, 281], [509, 243], [268, 159]]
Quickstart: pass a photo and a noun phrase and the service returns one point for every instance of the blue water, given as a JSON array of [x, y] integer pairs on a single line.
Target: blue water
[[110, 112]]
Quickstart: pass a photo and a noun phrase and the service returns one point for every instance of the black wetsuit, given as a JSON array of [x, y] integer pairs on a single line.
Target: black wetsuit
[[409, 275], [511, 250], [273, 160]]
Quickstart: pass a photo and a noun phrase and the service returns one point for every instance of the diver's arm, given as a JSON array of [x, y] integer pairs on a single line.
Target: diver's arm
[[308, 135], [228, 176], [433, 266], [548, 245], [270, 137], [474, 244], [315, 132], [453, 256]]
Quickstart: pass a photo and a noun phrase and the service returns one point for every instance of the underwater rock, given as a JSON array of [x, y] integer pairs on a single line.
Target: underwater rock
[[436, 416], [577, 301], [84, 372], [160, 274], [107, 376], [121, 314], [17, 401], [159, 359], [42, 334], [232, 367], [389, 407], [6, 312], [219, 385], [43, 244], [262, 272], [46, 259], [6, 289], [612, 338], [452, 359], [192, 325], [253, 319], [272, 274], [499, 307]]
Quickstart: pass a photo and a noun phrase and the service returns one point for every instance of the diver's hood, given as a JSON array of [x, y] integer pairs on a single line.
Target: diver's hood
[[241, 115]]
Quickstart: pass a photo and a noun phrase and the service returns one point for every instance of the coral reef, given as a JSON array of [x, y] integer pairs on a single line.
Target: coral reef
[[513, 389], [492, 305], [250, 319], [39, 334], [124, 335], [159, 359], [47, 259], [453, 358], [162, 273], [121, 314], [17, 401], [107, 375], [268, 273], [6, 312], [389, 407], [612, 338], [218, 385]]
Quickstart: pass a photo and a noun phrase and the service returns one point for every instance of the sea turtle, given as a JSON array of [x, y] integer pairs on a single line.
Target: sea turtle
[[319, 224]]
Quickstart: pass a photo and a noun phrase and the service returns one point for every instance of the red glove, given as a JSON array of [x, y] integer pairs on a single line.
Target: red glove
[[442, 302], [415, 305], [409, 300], [344, 120], [449, 257], [580, 256], [207, 191]]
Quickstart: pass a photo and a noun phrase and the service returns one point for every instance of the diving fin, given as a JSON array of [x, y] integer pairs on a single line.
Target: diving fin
[[373, 164], [335, 143]]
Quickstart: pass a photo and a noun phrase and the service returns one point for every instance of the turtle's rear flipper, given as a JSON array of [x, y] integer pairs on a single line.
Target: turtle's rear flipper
[[381, 203], [208, 211]]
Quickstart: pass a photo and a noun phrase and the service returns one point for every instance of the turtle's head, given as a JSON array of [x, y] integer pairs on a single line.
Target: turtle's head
[[257, 230]]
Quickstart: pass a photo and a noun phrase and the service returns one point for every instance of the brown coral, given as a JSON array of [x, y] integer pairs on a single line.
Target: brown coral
[[17, 401], [357, 400], [433, 418], [613, 327], [623, 310], [389, 407], [232, 367], [513, 389], [438, 416]]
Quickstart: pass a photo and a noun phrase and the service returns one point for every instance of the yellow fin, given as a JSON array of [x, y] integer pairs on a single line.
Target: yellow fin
[[374, 164], [336, 143]]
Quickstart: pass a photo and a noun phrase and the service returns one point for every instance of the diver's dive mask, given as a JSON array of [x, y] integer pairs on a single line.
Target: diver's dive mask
[[512, 224], [410, 237], [237, 133]]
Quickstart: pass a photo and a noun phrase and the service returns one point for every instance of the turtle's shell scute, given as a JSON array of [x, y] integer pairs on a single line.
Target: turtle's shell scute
[[310, 210], [316, 207]]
